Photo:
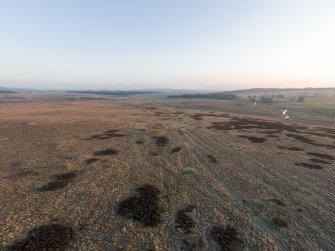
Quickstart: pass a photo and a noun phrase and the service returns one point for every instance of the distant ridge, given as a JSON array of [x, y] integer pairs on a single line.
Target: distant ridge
[[115, 93], [214, 95]]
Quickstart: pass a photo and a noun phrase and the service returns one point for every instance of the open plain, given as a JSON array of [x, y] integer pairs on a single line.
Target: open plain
[[89, 172]]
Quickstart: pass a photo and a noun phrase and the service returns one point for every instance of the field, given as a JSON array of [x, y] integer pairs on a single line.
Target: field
[[92, 172]]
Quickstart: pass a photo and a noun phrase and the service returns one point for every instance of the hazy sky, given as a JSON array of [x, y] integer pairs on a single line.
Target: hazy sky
[[167, 44]]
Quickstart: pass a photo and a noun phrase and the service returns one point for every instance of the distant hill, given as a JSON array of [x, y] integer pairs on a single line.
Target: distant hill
[[265, 90], [6, 92], [115, 93]]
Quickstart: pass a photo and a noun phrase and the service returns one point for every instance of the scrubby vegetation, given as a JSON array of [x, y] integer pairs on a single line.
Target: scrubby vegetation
[[109, 151], [161, 141], [280, 221], [176, 149], [216, 95], [144, 207], [184, 221], [225, 237], [46, 237], [61, 181]]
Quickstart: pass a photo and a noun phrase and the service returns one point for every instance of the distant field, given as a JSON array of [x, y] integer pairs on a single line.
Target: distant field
[[314, 108]]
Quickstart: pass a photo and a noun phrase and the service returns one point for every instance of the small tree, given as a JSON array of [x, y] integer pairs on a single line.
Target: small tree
[[266, 100], [301, 99]]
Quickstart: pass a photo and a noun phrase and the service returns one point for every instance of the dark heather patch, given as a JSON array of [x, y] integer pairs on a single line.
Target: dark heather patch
[[279, 202], [61, 181], [280, 221], [251, 123], [140, 142], [325, 132], [197, 117], [105, 152], [308, 141], [272, 136], [212, 159], [322, 155], [291, 148], [153, 154], [151, 108], [270, 132], [301, 138], [161, 141], [309, 165], [46, 237], [106, 135], [227, 238], [253, 139], [184, 221], [21, 174], [91, 161], [187, 245], [320, 161], [322, 134], [176, 149], [144, 207]]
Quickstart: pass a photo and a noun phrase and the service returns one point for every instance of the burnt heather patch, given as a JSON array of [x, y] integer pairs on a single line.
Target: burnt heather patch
[[280, 221], [139, 142], [106, 152], [253, 139], [320, 161], [212, 159], [61, 181], [322, 155], [196, 117], [279, 202], [227, 238], [176, 149], [252, 123], [309, 165], [161, 141], [291, 148], [46, 237], [91, 161], [305, 140], [144, 207], [106, 135], [184, 221], [18, 174]]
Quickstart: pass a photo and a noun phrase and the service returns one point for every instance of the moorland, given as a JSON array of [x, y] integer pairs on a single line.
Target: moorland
[[142, 171]]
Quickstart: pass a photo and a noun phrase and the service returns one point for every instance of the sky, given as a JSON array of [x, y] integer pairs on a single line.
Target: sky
[[177, 44]]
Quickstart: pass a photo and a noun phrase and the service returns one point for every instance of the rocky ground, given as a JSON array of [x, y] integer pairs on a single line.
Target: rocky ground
[[111, 174]]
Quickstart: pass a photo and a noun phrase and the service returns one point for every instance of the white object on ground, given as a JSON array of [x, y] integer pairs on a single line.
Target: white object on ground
[[286, 116]]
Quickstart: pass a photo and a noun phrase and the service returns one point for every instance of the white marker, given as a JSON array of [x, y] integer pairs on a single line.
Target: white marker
[[286, 116]]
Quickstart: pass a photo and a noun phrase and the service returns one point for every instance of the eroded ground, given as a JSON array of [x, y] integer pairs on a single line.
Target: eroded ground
[[115, 175]]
